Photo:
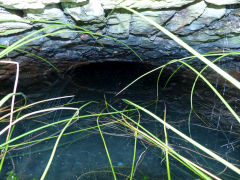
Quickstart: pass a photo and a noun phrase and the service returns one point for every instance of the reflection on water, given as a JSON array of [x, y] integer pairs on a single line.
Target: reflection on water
[[81, 155]]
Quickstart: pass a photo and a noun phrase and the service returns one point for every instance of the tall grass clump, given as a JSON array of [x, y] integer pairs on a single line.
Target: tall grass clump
[[118, 116], [208, 63], [14, 119]]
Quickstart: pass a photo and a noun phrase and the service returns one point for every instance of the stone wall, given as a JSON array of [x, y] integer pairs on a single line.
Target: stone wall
[[207, 25]]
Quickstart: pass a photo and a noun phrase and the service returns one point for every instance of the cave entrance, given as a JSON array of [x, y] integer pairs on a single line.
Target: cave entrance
[[110, 77]]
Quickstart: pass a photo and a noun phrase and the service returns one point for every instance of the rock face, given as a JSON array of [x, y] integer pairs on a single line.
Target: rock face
[[90, 12], [143, 4], [223, 2], [8, 27], [33, 4], [206, 25], [107, 4]]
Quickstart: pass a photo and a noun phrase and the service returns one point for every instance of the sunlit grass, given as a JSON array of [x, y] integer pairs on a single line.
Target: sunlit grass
[[122, 118]]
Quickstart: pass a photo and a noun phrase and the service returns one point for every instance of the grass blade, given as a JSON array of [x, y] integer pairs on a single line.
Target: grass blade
[[209, 152], [225, 75]]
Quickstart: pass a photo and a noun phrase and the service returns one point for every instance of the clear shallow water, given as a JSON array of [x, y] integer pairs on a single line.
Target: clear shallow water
[[81, 155]]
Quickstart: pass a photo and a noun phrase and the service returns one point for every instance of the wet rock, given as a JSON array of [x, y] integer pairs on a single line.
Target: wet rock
[[228, 43], [32, 4], [199, 37], [141, 27], [32, 45], [143, 4], [118, 25], [69, 55], [7, 27], [223, 2], [90, 11], [227, 26], [209, 15], [133, 40], [186, 17], [147, 43], [63, 33], [52, 13]]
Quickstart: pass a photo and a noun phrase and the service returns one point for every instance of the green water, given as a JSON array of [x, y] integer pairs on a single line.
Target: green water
[[81, 155]]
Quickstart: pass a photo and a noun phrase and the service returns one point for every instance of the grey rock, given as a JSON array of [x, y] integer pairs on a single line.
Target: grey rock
[[68, 55], [223, 2], [118, 25], [228, 43], [8, 27], [32, 4], [152, 54], [133, 40], [38, 41], [199, 37], [107, 4], [61, 32], [227, 26], [142, 27], [52, 13], [109, 42], [144, 4], [8, 40], [91, 11], [49, 13], [186, 17], [209, 15], [147, 43]]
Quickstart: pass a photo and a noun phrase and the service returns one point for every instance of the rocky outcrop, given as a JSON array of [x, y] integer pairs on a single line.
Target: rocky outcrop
[[90, 12], [206, 25], [223, 2], [106, 4], [9, 27]]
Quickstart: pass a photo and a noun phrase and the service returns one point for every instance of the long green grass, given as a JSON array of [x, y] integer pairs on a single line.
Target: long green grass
[[122, 119]]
